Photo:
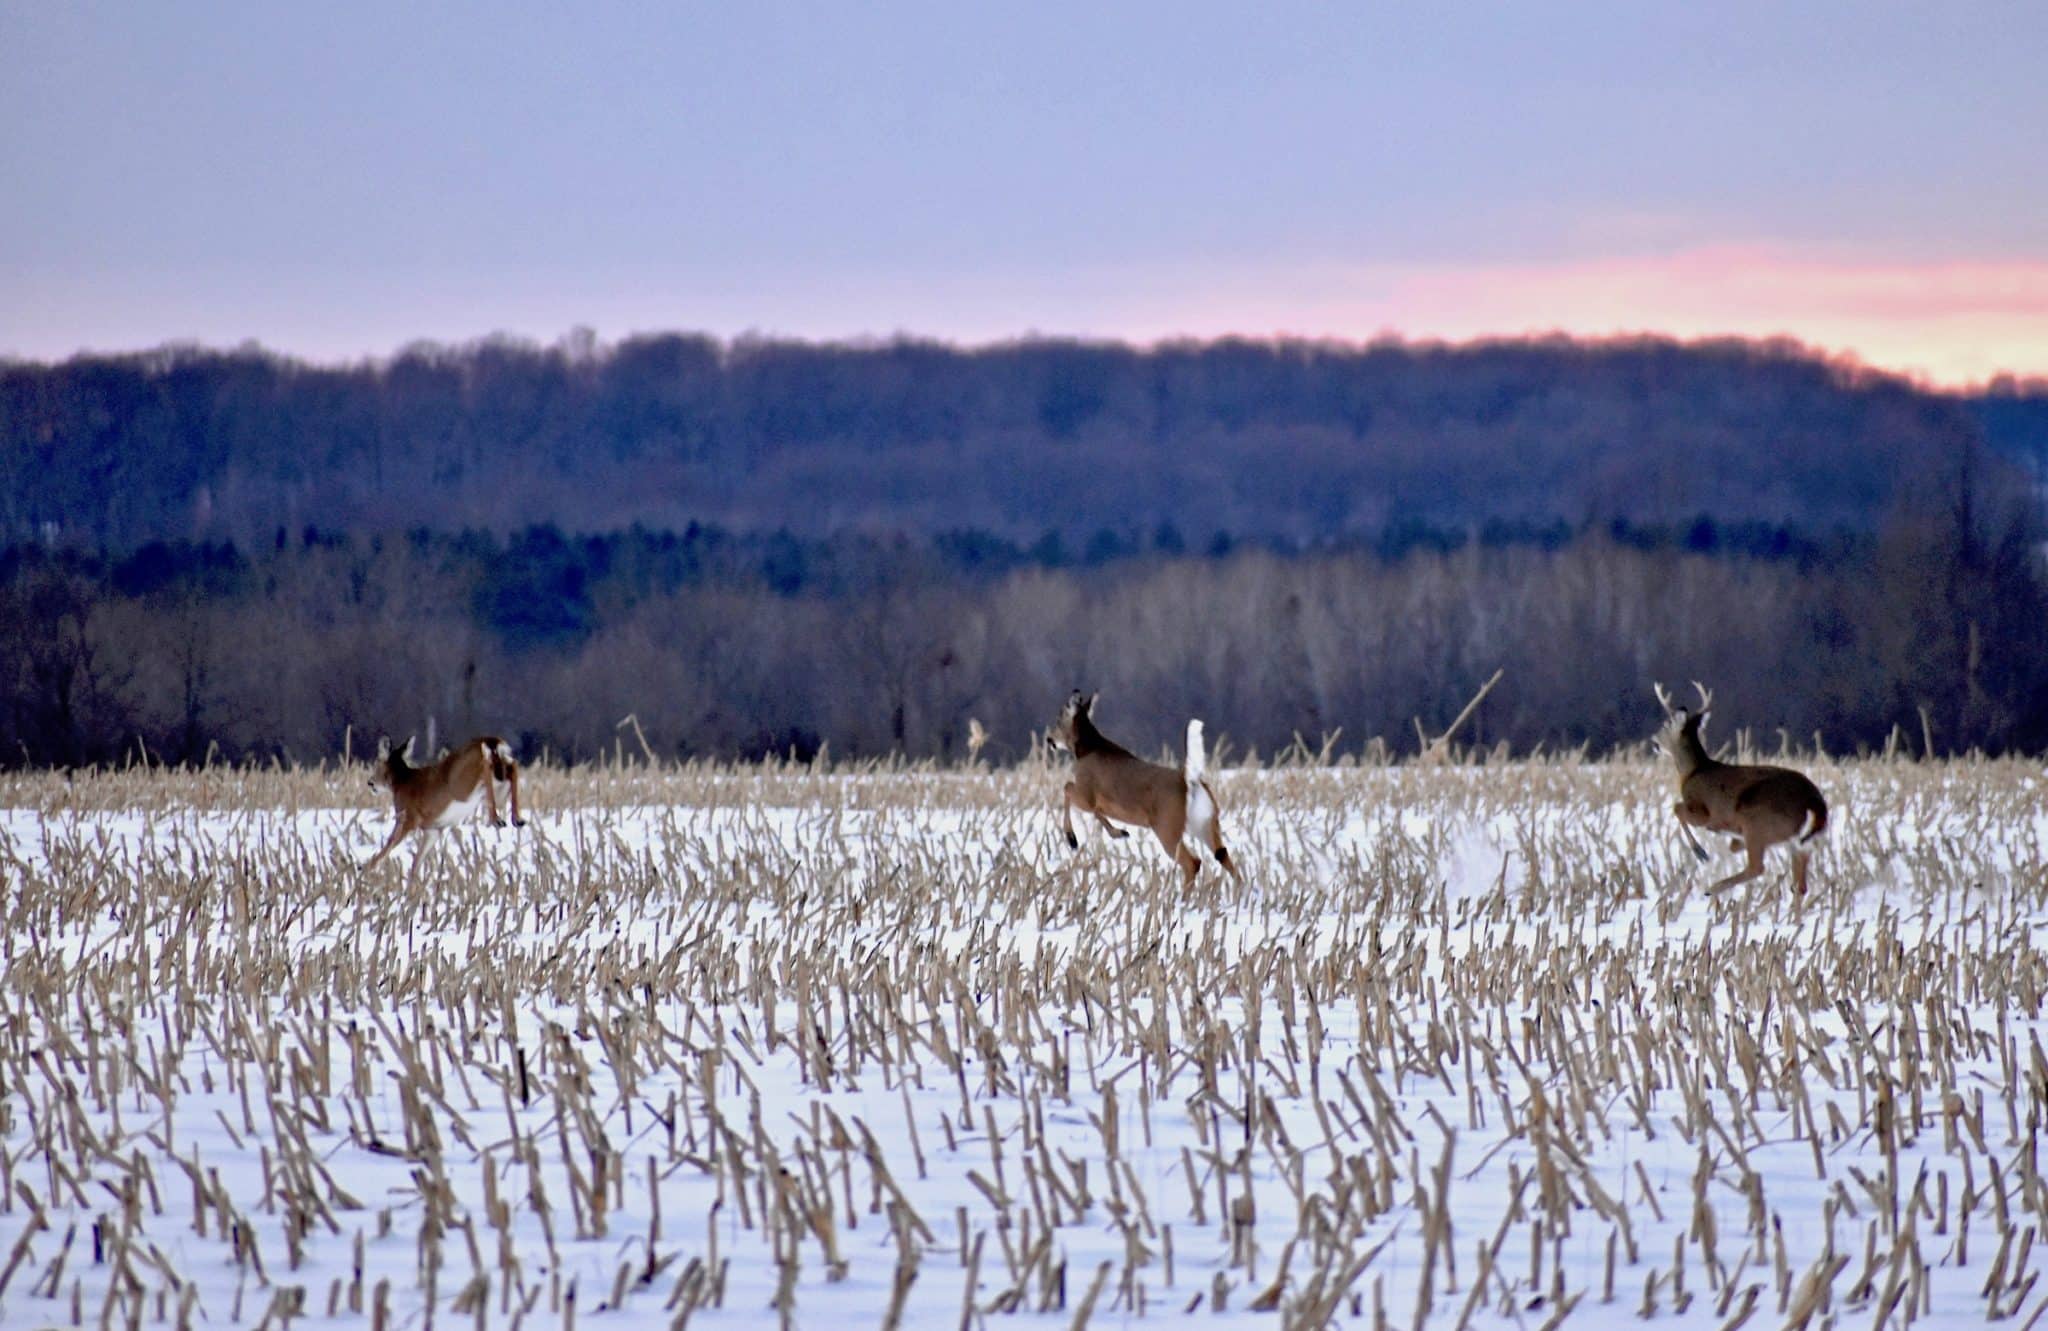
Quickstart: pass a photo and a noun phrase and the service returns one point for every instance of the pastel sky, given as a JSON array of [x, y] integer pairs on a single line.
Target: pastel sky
[[337, 180]]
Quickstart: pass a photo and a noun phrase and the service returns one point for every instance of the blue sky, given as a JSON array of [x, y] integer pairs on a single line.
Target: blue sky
[[335, 181]]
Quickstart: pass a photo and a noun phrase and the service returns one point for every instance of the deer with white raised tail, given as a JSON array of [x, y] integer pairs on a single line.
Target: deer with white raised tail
[[1756, 805], [446, 791], [1111, 782]]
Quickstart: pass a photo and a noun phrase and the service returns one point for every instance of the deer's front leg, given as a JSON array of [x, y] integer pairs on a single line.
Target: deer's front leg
[[1067, 818], [1689, 817], [397, 835]]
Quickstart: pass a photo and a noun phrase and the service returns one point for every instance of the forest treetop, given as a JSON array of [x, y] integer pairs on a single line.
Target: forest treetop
[[1296, 441]]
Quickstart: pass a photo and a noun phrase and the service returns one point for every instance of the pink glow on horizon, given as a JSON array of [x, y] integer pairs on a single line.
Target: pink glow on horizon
[[1947, 323]]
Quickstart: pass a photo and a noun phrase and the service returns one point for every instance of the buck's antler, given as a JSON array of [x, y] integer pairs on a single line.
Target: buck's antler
[[1663, 698], [1706, 697]]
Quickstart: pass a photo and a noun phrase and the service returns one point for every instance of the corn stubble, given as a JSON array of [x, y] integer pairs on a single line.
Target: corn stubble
[[727, 1045]]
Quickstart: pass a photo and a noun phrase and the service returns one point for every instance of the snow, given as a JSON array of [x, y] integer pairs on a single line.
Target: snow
[[785, 1037]]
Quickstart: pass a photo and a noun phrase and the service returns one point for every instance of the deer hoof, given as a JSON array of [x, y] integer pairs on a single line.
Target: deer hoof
[[518, 822], [1119, 833]]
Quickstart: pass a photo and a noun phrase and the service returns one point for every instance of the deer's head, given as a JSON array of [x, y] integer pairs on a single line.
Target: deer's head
[[1065, 732], [390, 762], [1680, 736]]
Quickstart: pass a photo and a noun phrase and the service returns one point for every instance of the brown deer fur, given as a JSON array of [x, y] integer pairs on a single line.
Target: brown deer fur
[[444, 792], [1111, 782], [1758, 806]]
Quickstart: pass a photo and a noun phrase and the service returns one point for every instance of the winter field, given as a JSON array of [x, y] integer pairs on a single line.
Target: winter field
[[722, 1046]]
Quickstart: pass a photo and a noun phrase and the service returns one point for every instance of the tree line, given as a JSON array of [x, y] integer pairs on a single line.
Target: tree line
[[1300, 442], [740, 646]]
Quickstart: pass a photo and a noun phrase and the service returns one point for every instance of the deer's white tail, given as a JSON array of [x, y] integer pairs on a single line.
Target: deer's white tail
[[1201, 803], [1810, 830]]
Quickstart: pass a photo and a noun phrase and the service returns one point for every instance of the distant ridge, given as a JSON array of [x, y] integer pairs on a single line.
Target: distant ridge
[[1296, 441]]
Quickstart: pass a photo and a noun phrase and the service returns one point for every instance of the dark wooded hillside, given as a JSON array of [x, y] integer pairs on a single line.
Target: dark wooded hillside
[[1301, 442]]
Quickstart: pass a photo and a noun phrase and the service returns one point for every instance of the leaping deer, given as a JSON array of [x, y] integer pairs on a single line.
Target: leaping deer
[[1759, 806], [447, 791], [1112, 782]]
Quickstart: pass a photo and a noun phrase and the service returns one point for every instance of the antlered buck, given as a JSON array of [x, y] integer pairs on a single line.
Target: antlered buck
[[1759, 806], [1112, 782], [444, 792]]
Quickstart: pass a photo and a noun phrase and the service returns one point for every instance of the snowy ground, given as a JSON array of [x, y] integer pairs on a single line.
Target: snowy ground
[[715, 1046]]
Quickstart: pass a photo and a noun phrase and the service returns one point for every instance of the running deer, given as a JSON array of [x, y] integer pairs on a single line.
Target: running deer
[[1758, 806], [446, 791], [1112, 782]]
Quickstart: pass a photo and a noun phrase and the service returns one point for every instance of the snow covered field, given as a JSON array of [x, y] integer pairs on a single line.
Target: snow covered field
[[723, 1046]]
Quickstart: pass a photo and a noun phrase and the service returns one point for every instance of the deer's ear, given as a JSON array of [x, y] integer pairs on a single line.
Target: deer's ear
[[408, 746], [1091, 702], [383, 747]]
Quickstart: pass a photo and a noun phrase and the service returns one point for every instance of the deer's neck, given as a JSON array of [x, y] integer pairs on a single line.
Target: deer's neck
[[1691, 756], [1088, 740]]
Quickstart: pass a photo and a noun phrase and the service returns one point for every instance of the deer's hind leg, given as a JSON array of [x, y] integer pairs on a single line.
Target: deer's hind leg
[[1754, 869], [512, 780], [1799, 858], [1171, 829], [1067, 816], [1221, 851]]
